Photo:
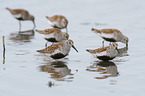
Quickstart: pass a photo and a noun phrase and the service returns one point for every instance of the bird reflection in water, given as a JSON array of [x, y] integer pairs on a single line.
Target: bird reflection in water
[[122, 52], [23, 36], [107, 68], [58, 71]]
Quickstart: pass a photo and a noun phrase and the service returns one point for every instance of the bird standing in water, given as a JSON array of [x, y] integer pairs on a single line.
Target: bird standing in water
[[59, 50], [111, 35], [22, 15], [105, 53]]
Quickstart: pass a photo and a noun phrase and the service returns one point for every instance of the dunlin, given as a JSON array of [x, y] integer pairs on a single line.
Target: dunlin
[[22, 15], [53, 35], [59, 50], [111, 35], [105, 53], [58, 21]]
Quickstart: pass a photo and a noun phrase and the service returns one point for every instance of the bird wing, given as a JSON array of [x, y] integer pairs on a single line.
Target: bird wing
[[108, 31], [49, 31], [56, 18], [53, 18], [19, 13], [99, 50], [51, 48]]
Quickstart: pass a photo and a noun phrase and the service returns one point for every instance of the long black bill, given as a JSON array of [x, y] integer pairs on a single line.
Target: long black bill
[[117, 50], [74, 48]]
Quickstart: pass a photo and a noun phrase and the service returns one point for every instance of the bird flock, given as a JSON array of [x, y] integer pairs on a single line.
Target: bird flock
[[61, 44]]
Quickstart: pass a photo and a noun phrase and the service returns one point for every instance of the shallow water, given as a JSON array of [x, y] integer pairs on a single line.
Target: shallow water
[[28, 73]]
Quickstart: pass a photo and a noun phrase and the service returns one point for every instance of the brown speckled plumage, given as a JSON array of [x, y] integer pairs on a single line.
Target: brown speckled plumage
[[59, 50], [51, 48], [107, 31], [49, 31], [99, 50], [57, 18], [105, 53], [58, 21], [24, 14], [111, 35], [18, 11]]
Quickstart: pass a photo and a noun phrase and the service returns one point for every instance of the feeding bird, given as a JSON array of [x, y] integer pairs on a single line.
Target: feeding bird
[[53, 35], [111, 35], [22, 15], [105, 53], [58, 21]]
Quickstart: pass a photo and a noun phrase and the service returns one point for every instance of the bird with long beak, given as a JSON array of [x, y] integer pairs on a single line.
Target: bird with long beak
[[22, 15], [59, 50], [105, 53]]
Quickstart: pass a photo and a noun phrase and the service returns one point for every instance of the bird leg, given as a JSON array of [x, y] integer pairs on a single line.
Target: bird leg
[[66, 30], [19, 26], [103, 43]]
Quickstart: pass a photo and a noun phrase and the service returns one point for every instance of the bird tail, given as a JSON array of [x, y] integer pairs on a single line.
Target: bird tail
[[8, 8], [39, 31], [90, 51], [41, 51], [47, 17], [95, 30]]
